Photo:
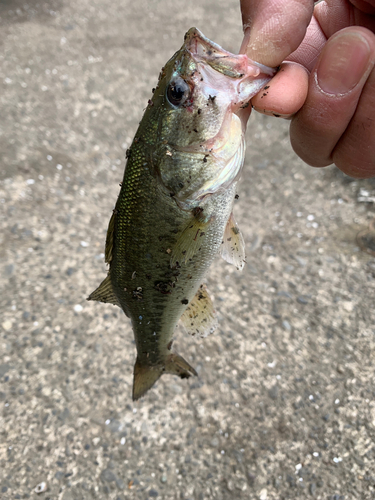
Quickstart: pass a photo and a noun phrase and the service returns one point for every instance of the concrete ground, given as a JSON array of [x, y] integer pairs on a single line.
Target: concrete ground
[[284, 404]]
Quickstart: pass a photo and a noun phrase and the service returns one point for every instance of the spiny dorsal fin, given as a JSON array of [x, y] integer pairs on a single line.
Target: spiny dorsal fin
[[109, 239], [191, 239], [233, 246], [199, 317], [105, 293]]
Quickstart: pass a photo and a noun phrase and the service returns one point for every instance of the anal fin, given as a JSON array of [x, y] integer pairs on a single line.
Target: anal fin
[[105, 293], [233, 246], [199, 317]]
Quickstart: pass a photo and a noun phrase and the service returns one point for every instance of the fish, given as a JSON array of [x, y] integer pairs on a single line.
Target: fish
[[174, 212]]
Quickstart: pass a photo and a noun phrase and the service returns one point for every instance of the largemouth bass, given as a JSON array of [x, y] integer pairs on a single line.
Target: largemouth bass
[[174, 210]]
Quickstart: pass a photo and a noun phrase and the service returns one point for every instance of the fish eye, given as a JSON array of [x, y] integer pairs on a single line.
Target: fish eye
[[177, 92]]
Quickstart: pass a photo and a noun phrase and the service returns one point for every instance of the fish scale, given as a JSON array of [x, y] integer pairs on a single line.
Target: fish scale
[[174, 210]]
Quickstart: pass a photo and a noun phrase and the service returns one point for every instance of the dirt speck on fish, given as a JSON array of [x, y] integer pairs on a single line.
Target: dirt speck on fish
[[174, 210]]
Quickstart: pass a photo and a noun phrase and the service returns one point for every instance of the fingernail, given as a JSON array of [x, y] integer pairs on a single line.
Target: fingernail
[[343, 63]]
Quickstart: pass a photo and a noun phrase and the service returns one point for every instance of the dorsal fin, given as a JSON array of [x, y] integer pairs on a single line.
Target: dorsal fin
[[233, 246], [105, 293], [199, 317]]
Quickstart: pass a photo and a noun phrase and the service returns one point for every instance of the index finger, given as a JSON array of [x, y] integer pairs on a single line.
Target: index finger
[[274, 28]]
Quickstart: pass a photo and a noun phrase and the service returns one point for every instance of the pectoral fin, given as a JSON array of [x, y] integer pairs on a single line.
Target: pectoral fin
[[190, 240], [233, 246], [199, 317], [104, 293]]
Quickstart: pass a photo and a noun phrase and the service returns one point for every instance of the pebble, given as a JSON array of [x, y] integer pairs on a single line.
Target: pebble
[[286, 325], [41, 487], [153, 493], [273, 392], [163, 479], [263, 495], [108, 475], [7, 325], [9, 270], [303, 299], [312, 489], [3, 369], [120, 483]]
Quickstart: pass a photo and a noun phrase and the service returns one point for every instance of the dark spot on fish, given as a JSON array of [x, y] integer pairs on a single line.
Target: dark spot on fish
[[266, 87], [184, 375], [184, 301], [171, 194], [120, 184], [115, 211], [199, 111], [163, 288], [148, 276], [180, 185], [229, 239], [128, 152], [169, 346], [202, 79], [174, 231], [150, 103], [211, 98], [235, 229], [197, 211], [153, 90], [202, 234], [245, 105], [237, 196], [138, 293], [137, 139], [195, 130]]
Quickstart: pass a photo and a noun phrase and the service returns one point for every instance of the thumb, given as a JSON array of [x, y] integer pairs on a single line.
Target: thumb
[[274, 28]]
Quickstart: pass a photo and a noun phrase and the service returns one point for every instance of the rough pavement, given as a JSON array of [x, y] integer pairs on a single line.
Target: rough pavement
[[284, 404]]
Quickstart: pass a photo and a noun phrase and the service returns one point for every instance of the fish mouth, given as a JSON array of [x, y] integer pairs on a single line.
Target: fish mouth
[[204, 50]]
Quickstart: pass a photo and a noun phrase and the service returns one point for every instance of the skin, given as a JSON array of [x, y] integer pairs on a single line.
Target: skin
[[326, 82]]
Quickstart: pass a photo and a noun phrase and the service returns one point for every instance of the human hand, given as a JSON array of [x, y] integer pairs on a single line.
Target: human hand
[[327, 83]]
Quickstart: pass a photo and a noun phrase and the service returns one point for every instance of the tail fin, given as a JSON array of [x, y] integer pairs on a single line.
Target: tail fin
[[145, 376]]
